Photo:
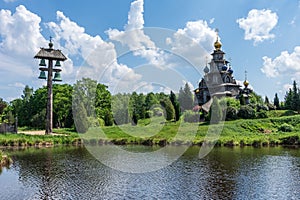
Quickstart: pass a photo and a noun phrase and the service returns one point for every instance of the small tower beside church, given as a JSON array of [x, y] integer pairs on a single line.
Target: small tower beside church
[[246, 91]]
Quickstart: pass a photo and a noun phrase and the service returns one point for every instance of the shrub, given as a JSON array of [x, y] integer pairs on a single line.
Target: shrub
[[260, 107], [285, 127], [262, 114], [246, 112], [190, 116], [231, 113]]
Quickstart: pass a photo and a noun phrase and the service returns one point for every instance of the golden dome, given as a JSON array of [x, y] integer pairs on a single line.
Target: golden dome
[[218, 45], [246, 83]]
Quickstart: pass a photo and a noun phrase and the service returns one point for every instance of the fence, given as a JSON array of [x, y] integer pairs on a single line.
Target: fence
[[8, 128]]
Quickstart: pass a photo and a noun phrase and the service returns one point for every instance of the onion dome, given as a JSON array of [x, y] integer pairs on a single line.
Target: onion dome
[[206, 70], [50, 43], [218, 45], [230, 71], [224, 68], [246, 83]]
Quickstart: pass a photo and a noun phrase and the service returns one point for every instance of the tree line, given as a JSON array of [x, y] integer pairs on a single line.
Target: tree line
[[92, 104]]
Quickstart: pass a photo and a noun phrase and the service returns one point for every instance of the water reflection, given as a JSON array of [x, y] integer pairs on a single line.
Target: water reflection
[[226, 173]]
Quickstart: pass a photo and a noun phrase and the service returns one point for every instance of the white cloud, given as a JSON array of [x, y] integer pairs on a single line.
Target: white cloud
[[20, 32], [285, 65], [194, 42], [17, 84], [258, 25], [100, 57], [20, 41], [134, 37]]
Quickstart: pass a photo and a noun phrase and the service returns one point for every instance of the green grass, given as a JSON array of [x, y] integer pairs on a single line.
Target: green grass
[[255, 132], [284, 130], [9, 139]]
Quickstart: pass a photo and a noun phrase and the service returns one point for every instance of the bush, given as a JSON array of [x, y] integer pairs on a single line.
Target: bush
[[285, 127], [262, 107], [231, 113], [246, 112], [190, 116], [262, 114]]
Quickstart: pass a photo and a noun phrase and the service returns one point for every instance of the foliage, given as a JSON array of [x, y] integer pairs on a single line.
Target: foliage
[[261, 107], [120, 104], [185, 98], [231, 113], [228, 101], [190, 116], [261, 114], [267, 100], [176, 105], [256, 99], [136, 107], [169, 110], [246, 112], [62, 105], [285, 127], [276, 101], [81, 119], [292, 98]]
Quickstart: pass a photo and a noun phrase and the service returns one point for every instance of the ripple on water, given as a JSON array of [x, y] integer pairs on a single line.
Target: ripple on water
[[72, 173]]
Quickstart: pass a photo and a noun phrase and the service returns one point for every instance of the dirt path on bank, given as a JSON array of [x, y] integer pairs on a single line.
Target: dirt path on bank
[[40, 132]]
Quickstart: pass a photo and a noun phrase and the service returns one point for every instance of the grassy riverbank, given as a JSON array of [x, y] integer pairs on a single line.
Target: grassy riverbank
[[64, 137], [257, 132]]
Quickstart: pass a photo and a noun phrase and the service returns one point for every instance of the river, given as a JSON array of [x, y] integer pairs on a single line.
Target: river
[[225, 173]]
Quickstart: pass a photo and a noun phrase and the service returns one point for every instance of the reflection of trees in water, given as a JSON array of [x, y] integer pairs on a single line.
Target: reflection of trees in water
[[42, 170]]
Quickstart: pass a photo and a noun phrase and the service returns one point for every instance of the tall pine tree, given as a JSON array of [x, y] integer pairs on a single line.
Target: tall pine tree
[[185, 98], [276, 101]]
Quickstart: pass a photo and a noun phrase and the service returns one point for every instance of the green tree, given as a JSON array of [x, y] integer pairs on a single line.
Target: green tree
[[295, 98], [150, 102], [120, 108], [85, 93], [169, 110], [176, 105], [256, 99], [276, 101], [27, 93], [83, 103], [267, 100], [35, 107], [103, 104], [185, 98], [62, 105], [133, 108], [81, 119], [3, 105], [288, 99]]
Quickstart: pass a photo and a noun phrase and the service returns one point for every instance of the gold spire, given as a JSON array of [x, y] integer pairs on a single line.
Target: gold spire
[[246, 83], [217, 44]]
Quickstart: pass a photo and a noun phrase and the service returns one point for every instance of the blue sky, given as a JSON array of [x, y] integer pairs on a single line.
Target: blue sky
[[114, 42]]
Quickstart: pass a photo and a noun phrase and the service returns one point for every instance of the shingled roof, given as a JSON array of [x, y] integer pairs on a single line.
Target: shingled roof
[[50, 54]]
